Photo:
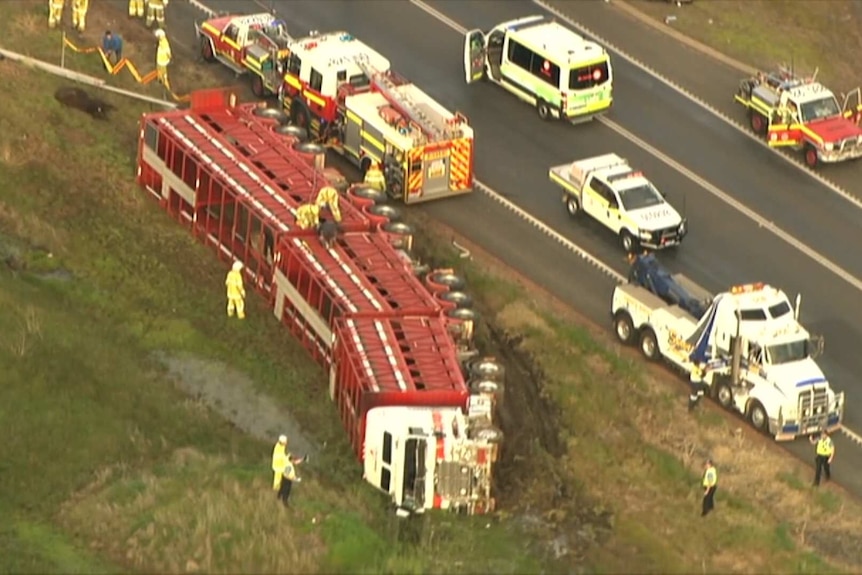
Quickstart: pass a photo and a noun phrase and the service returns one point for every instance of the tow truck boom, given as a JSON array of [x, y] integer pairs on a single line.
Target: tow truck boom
[[676, 289]]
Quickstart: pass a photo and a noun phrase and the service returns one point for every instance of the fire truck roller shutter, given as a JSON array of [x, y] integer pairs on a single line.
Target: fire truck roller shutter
[[299, 114], [393, 172]]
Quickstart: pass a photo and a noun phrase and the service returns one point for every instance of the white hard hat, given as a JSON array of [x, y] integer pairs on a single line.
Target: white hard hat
[[282, 439], [237, 266], [159, 33]]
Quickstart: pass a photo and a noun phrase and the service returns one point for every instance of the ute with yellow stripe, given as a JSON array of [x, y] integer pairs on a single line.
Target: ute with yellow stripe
[[800, 113], [345, 94], [255, 43]]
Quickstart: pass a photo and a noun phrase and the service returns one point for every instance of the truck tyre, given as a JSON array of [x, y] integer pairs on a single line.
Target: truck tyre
[[487, 369], [257, 87], [624, 328], [544, 110], [299, 114], [628, 241], [207, 53], [572, 205], [810, 153], [724, 394], [489, 433], [649, 345], [757, 416], [757, 122]]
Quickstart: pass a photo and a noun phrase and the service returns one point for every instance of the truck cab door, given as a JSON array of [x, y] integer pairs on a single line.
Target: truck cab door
[[613, 214], [474, 56], [853, 106], [785, 128], [594, 200], [230, 43]]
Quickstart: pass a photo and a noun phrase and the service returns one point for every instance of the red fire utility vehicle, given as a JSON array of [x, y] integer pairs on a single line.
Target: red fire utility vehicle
[[255, 43], [345, 92], [418, 410], [805, 115]]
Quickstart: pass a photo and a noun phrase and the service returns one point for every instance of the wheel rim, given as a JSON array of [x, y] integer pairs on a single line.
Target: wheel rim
[[572, 206], [724, 396], [811, 157], [543, 111], [758, 417], [627, 242], [756, 123], [623, 330], [648, 346]]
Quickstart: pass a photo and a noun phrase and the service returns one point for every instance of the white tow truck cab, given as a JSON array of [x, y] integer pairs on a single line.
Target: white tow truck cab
[[757, 358], [622, 199], [432, 458], [562, 74]]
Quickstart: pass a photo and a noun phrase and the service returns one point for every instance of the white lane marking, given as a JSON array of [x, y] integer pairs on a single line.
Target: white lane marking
[[539, 224], [697, 100], [673, 164]]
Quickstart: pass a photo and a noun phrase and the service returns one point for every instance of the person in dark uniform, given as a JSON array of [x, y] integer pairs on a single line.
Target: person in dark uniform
[[328, 232], [287, 480]]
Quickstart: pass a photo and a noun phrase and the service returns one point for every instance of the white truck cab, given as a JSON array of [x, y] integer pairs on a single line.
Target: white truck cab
[[622, 199], [758, 359], [562, 74]]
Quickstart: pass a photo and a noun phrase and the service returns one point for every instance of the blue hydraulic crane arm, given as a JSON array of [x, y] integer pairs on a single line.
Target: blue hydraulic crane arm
[[648, 273]]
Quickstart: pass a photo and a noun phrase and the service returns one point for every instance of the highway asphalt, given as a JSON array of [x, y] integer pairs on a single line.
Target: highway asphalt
[[514, 150]]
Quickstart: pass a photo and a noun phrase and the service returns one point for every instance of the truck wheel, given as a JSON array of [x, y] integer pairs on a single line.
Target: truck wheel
[[649, 345], [724, 395], [544, 110], [257, 87], [757, 416], [489, 433], [811, 159], [757, 122], [572, 205], [299, 114], [207, 54], [487, 369], [628, 241], [623, 327]]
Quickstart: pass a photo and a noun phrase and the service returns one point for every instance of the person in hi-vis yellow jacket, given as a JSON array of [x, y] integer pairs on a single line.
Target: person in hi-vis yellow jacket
[[136, 8], [79, 14], [163, 58], [235, 291], [55, 12], [328, 196], [156, 12], [308, 216], [374, 177]]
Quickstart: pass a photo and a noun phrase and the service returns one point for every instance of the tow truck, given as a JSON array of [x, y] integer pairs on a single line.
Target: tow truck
[[622, 199], [803, 114], [345, 94], [255, 43], [754, 355]]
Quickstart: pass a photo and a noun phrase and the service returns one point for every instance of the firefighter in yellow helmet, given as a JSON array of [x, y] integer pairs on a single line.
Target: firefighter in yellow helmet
[[79, 14], [55, 12], [308, 216], [235, 291], [156, 12], [163, 58], [136, 8], [328, 197], [374, 177]]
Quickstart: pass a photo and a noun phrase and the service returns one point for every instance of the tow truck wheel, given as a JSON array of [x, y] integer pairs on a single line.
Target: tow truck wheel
[[757, 416], [628, 241], [207, 50], [758, 123], [572, 206], [724, 395], [811, 159], [649, 345], [624, 328], [543, 109]]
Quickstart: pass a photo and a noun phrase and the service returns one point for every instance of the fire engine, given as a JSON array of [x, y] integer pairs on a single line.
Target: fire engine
[[255, 43], [345, 93], [415, 398], [796, 112], [755, 356]]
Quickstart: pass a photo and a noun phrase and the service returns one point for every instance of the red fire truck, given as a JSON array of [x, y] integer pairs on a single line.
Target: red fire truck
[[344, 92], [416, 403], [255, 43]]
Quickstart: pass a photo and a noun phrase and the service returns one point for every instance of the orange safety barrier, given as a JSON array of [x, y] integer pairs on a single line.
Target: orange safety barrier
[[124, 63]]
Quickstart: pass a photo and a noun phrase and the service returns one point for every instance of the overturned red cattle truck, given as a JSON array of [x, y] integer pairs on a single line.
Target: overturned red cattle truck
[[417, 408]]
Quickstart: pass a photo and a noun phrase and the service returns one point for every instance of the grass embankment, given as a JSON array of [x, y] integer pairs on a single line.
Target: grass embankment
[[108, 466], [809, 34]]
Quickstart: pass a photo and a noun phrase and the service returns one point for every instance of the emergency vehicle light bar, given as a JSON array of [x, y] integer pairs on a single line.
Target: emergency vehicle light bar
[[747, 288]]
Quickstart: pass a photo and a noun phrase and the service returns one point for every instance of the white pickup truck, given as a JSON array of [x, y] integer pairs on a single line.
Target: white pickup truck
[[622, 199]]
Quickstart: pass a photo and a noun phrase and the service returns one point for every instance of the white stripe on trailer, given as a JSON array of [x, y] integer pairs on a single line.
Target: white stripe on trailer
[[356, 281], [318, 267], [363, 354], [390, 355]]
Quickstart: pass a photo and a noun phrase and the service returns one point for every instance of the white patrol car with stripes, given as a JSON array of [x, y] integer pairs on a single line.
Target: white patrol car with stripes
[[622, 199]]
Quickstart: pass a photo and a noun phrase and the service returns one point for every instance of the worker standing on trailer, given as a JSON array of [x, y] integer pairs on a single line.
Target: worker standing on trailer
[[824, 453], [163, 58], [235, 291], [136, 8], [328, 231], [156, 12], [328, 197], [55, 12], [308, 216], [710, 484], [79, 14], [374, 177]]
